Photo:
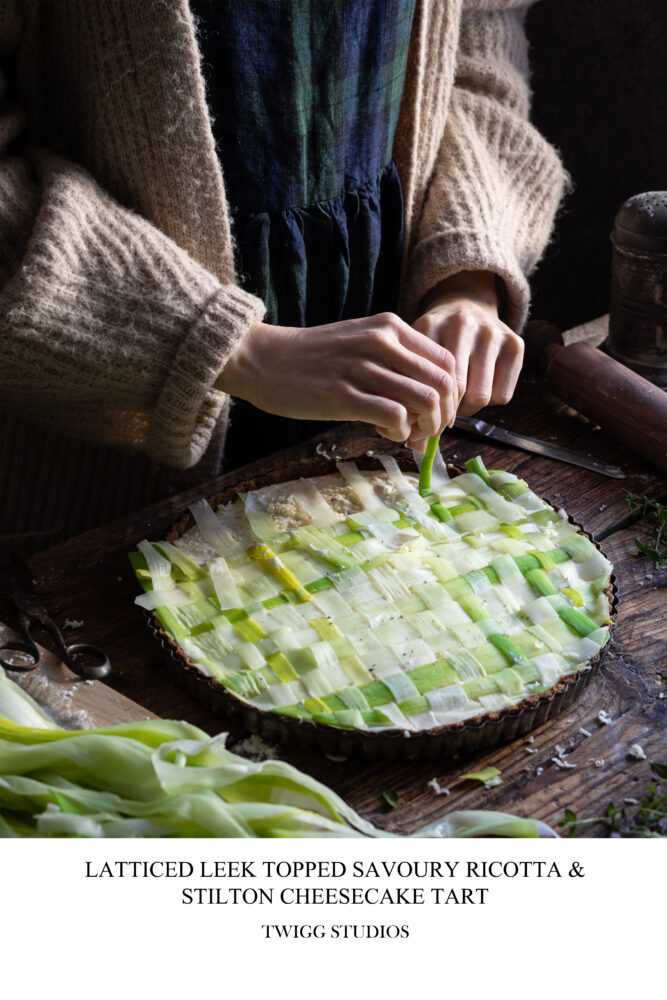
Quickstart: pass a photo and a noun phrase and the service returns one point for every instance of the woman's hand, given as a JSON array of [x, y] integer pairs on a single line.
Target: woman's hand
[[461, 314], [376, 369]]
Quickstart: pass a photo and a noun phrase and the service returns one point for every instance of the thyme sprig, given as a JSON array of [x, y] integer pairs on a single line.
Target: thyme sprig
[[647, 818], [656, 515]]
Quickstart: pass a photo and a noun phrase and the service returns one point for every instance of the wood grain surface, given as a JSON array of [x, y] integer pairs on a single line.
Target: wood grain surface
[[89, 579]]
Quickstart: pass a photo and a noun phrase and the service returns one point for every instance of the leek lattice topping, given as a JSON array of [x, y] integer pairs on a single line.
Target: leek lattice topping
[[369, 601]]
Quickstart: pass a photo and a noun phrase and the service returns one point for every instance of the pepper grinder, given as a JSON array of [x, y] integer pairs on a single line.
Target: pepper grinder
[[638, 309]]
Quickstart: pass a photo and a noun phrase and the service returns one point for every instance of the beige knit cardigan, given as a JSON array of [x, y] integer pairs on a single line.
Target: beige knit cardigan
[[119, 304]]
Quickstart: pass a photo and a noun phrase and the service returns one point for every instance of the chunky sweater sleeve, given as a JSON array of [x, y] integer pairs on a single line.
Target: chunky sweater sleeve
[[496, 183], [111, 332]]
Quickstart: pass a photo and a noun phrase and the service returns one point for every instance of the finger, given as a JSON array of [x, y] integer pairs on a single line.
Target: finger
[[508, 368], [423, 346], [391, 331], [481, 372], [390, 417], [422, 400], [421, 369]]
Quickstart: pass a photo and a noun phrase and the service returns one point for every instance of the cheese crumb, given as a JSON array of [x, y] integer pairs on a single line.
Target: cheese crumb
[[539, 771], [637, 752], [437, 787], [559, 762], [603, 718], [72, 623], [585, 732], [600, 762], [631, 802]]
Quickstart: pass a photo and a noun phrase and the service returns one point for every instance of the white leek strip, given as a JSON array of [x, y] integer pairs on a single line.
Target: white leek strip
[[550, 666], [540, 610], [415, 505], [502, 509], [414, 653], [223, 582], [261, 523], [495, 702], [401, 687], [399, 720], [19, 707], [314, 505], [159, 567], [384, 530], [361, 486], [158, 598], [439, 476], [530, 502], [447, 699], [212, 531]]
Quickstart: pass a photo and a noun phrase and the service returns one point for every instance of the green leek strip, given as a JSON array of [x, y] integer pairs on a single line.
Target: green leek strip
[[544, 559], [270, 563], [476, 466], [513, 490], [188, 566], [441, 512], [540, 582], [507, 647], [578, 622], [427, 465]]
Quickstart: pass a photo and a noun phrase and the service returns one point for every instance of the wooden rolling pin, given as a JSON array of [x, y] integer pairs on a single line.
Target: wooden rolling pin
[[624, 404]]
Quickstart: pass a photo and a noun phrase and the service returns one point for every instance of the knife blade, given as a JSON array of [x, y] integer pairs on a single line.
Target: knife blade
[[545, 448]]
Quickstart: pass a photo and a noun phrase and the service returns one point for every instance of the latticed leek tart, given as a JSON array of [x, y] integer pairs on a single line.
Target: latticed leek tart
[[354, 601]]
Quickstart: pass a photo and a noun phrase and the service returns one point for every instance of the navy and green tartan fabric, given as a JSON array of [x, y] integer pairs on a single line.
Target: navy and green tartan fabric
[[305, 96]]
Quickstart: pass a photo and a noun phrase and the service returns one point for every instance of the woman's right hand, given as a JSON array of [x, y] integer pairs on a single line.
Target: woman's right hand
[[376, 369]]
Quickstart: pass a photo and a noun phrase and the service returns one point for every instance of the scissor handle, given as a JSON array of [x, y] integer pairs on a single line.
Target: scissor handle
[[75, 660], [29, 650]]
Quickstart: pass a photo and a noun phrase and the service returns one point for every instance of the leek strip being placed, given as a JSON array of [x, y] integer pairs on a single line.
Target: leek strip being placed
[[432, 447], [170, 779]]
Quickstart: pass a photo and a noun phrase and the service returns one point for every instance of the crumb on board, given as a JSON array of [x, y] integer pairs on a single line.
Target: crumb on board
[[538, 771], [562, 764], [72, 623], [585, 732], [599, 762], [604, 718], [637, 752], [437, 787]]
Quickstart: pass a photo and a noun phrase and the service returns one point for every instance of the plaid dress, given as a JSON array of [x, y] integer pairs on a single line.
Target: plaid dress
[[305, 97]]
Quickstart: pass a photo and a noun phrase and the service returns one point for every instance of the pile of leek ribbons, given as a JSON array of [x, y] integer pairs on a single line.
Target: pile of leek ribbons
[[159, 778]]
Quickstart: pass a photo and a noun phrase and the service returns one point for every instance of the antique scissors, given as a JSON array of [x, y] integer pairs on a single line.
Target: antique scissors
[[16, 582]]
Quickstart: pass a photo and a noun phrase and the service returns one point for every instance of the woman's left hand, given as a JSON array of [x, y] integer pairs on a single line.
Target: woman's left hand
[[461, 314]]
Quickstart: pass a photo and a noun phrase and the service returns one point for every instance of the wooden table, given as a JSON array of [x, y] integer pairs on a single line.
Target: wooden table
[[89, 579]]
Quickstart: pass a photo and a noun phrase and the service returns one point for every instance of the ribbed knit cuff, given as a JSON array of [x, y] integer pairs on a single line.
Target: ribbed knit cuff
[[490, 207], [443, 255], [188, 407]]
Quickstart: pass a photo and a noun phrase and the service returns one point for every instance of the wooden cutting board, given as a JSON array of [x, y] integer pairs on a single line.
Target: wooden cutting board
[[73, 703]]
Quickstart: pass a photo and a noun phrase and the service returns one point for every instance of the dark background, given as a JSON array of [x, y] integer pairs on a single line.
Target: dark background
[[600, 96]]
